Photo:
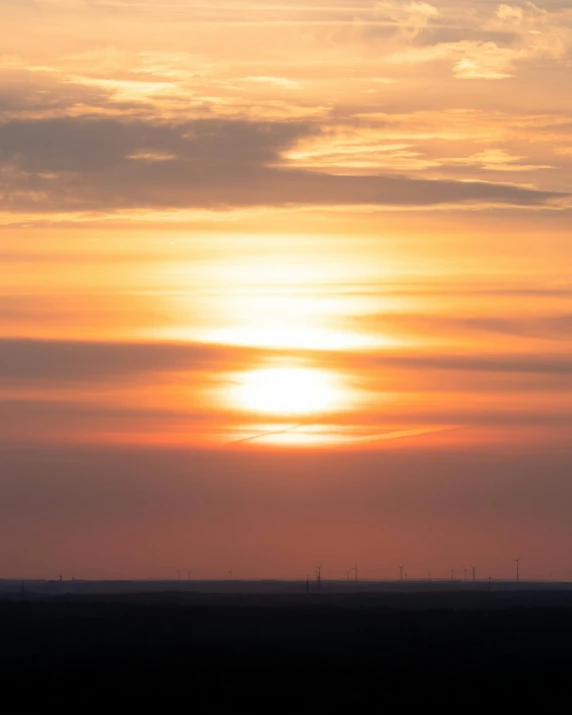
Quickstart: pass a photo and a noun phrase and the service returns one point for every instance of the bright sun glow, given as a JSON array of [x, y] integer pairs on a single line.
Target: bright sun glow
[[287, 391]]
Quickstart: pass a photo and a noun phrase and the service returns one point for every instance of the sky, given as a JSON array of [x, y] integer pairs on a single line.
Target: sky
[[285, 283]]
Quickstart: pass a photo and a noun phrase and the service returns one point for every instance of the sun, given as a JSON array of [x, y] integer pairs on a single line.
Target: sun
[[287, 391]]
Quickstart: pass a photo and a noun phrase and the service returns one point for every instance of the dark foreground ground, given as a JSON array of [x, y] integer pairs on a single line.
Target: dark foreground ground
[[286, 653]]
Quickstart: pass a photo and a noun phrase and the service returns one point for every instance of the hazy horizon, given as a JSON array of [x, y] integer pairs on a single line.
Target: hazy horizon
[[147, 513]]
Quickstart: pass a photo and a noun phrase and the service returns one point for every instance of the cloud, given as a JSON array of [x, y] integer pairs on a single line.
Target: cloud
[[516, 364], [495, 47], [470, 59], [26, 410], [72, 361], [507, 12], [549, 327], [495, 160], [324, 75], [412, 18], [66, 144], [28, 359], [483, 60], [96, 165]]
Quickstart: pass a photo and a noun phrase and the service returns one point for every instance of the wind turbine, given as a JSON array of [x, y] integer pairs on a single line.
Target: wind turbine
[[400, 572], [230, 574], [517, 569], [429, 574], [474, 572], [319, 575], [355, 568], [189, 575]]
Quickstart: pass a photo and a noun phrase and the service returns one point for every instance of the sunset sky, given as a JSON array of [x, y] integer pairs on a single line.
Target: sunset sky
[[285, 283]]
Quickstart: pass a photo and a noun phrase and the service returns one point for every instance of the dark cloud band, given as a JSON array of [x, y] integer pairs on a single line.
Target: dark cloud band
[[82, 164]]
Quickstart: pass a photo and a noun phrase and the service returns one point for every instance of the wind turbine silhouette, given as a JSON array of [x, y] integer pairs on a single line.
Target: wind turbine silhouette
[[517, 569], [319, 575], [355, 568], [229, 574], [400, 572], [474, 572]]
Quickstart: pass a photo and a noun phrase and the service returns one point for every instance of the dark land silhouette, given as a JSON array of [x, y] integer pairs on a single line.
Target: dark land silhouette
[[409, 644]]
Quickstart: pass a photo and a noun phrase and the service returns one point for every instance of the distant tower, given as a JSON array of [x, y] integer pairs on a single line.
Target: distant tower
[[230, 574], [355, 568], [61, 578], [474, 572], [517, 570], [319, 575], [452, 574], [400, 572]]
